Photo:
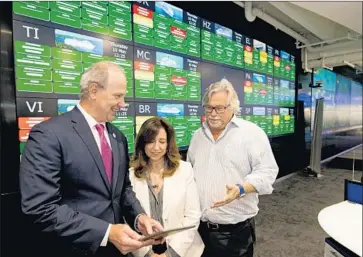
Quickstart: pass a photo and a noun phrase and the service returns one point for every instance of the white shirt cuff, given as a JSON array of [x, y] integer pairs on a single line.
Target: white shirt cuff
[[105, 238], [136, 220]]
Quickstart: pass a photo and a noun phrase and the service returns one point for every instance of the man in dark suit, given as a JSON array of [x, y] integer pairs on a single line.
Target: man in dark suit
[[74, 180]]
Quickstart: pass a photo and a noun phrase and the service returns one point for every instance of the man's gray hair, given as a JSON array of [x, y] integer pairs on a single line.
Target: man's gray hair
[[220, 86], [97, 73]]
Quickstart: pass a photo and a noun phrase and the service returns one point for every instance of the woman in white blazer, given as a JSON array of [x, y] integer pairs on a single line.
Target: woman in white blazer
[[165, 187]]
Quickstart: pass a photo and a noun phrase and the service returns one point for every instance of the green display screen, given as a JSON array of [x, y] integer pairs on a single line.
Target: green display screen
[[169, 57], [258, 56], [274, 121], [56, 64], [185, 118], [258, 89], [125, 122], [112, 18], [284, 93], [164, 26], [284, 65], [221, 44], [165, 76]]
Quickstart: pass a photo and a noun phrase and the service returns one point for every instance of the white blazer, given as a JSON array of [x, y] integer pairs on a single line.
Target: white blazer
[[181, 207]]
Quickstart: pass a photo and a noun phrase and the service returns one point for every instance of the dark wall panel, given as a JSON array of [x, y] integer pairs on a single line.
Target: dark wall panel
[[9, 148]]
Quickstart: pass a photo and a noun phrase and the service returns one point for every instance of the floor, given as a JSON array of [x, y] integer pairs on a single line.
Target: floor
[[287, 223]]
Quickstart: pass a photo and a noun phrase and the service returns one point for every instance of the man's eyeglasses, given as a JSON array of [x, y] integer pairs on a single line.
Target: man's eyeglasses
[[219, 108]]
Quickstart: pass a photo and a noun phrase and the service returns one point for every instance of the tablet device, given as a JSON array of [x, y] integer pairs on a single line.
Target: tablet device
[[166, 233]]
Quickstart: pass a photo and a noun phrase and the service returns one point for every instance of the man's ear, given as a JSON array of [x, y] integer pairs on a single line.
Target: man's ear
[[92, 90]]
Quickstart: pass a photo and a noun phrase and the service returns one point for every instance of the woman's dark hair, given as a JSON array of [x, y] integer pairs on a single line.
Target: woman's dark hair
[[147, 134]]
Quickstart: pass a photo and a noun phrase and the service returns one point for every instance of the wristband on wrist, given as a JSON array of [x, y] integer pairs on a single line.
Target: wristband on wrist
[[242, 191]]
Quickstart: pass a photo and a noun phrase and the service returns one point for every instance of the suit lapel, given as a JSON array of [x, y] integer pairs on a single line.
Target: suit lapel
[[142, 193], [85, 133], [115, 155]]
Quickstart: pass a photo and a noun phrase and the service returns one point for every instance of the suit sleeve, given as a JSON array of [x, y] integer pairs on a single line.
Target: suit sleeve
[[40, 188], [131, 205], [182, 241]]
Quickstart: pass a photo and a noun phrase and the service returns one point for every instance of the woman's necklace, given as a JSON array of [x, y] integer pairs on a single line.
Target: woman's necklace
[[156, 178]]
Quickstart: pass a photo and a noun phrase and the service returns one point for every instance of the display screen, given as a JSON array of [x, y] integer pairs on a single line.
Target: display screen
[[52, 60], [284, 92], [169, 56], [256, 95], [342, 101], [160, 75], [162, 25], [273, 120], [258, 89], [356, 104], [258, 56], [111, 18], [284, 65], [185, 118], [221, 44], [327, 78]]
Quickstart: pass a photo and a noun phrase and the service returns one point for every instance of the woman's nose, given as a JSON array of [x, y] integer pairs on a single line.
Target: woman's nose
[[156, 146]]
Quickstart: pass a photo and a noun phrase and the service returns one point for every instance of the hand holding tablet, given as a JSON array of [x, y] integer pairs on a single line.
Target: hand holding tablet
[[166, 233]]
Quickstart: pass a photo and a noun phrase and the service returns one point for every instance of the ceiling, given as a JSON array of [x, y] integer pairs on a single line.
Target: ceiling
[[351, 17], [328, 33]]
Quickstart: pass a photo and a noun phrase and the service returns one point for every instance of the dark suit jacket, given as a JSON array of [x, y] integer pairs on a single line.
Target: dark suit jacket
[[64, 187]]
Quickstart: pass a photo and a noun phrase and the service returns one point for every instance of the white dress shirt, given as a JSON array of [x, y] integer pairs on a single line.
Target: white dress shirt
[[241, 154], [92, 124]]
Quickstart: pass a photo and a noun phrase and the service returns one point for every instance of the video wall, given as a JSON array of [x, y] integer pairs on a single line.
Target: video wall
[[342, 101], [170, 57]]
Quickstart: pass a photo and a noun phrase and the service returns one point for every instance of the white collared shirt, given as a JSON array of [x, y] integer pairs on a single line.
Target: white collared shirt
[[242, 153], [92, 124]]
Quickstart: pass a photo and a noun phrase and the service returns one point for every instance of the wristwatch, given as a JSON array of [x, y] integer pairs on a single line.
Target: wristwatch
[[242, 191]]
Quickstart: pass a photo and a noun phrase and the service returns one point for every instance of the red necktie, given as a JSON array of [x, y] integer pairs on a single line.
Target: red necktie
[[106, 151]]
